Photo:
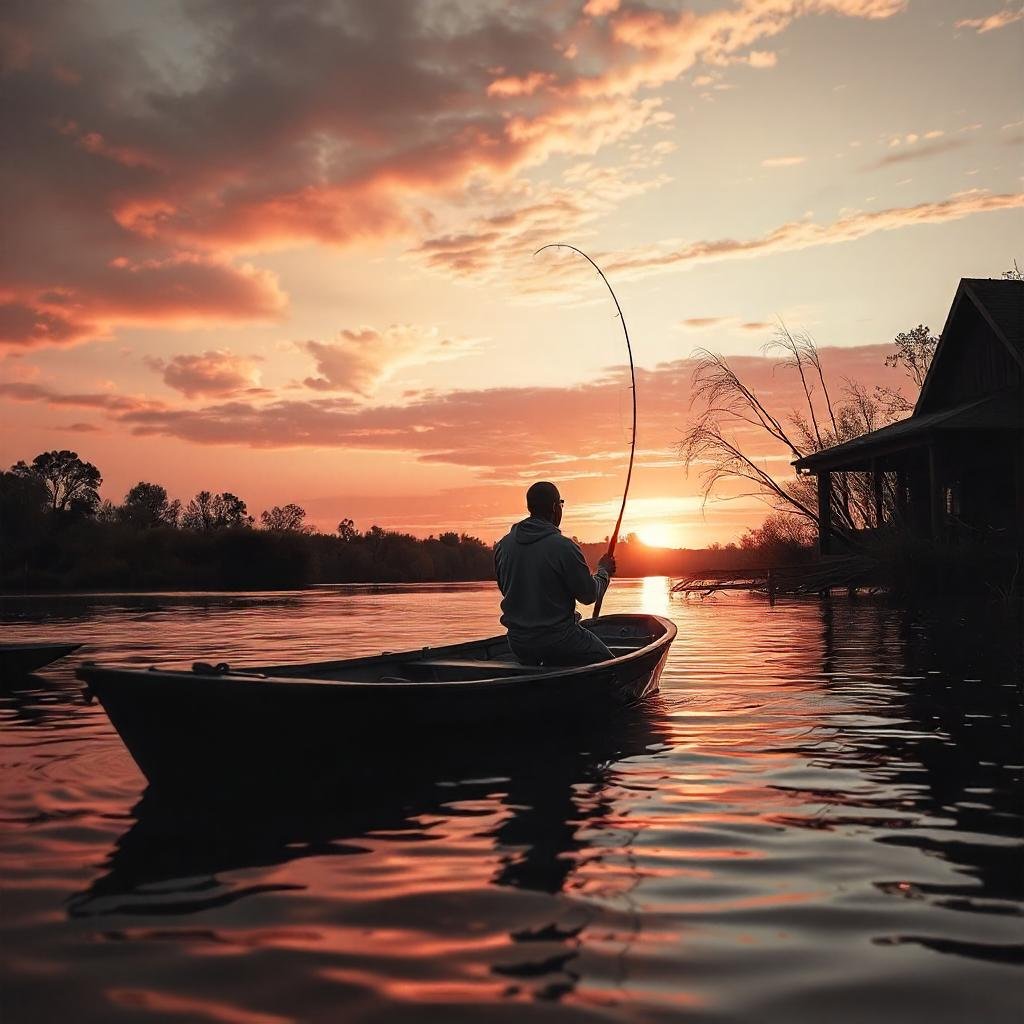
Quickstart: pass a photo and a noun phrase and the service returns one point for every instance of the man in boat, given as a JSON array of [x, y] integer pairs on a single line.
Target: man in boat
[[541, 575]]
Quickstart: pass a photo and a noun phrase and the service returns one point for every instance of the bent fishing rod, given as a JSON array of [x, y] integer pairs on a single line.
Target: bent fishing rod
[[632, 378]]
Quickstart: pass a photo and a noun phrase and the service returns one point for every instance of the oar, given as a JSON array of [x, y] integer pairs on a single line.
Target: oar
[[632, 377]]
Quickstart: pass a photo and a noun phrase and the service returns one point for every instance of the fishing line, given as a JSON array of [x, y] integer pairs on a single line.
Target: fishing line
[[632, 378]]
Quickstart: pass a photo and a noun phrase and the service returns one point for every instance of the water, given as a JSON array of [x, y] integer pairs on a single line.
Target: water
[[819, 819]]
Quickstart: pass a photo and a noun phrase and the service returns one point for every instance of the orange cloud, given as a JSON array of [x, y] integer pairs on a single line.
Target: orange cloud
[[183, 289], [597, 8], [1007, 16], [278, 146]]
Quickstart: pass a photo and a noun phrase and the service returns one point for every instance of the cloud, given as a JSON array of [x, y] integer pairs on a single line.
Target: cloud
[[503, 434], [136, 187], [597, 8], [21, 325], [659, 46], [703, 323], [805, 234], [81, 428], [216, 373], [1007, 16], [182, 290], [25, 391], [919, 152], [360, 360], [783, 161]]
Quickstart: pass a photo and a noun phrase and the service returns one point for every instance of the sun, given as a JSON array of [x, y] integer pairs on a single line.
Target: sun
[[657, 535]]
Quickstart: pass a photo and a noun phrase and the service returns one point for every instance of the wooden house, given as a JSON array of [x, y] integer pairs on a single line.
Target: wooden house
[[955, 467]]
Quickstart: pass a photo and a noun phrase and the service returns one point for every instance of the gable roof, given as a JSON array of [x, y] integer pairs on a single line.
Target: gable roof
[[1001, 305]]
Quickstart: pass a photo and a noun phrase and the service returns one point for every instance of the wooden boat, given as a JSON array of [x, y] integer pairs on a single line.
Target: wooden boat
[[215, 721], [19, 659]]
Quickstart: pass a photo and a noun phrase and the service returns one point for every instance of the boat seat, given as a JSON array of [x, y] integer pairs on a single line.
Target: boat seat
[[484, 668]]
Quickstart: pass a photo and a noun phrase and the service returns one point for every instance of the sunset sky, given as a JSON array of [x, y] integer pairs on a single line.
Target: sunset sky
[[286, 249]]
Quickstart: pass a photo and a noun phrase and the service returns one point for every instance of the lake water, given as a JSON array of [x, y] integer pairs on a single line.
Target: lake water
[[819, 819]]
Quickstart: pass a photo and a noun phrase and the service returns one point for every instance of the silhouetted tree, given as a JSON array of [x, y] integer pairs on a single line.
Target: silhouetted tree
[[207, 511], [108, 513], [915, 350], [70, 483], [347, 530], [726, 408], [284, 519], [23, 501], [147, 505]]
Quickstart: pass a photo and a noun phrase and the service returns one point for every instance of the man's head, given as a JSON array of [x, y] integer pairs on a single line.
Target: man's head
[[544, 501]]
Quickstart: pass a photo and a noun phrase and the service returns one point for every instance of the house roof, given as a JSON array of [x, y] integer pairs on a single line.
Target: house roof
[[1001, 411], [1003, 301], [1001, 304]]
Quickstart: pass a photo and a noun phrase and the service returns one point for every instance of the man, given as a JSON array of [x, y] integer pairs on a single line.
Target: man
[[541, 576]]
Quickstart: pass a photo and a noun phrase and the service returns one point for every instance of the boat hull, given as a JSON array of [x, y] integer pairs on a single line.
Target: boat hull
[[269, 723], [19, 659]]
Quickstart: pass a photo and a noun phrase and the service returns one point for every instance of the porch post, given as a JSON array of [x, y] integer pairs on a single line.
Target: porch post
[[824, 512], [1019, 488], [901, 501], [876, 485], [935, 494]]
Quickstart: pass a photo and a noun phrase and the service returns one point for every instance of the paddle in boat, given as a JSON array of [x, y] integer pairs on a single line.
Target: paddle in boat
[[198, 725]]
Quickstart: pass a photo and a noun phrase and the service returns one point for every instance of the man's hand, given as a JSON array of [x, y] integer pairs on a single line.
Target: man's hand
[[607, 563]]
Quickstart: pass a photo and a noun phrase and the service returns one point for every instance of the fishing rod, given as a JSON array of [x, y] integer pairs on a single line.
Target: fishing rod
[[632, 377]]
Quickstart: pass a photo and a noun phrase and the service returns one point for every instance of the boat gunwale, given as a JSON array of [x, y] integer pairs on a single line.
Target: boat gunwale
[[262, 674], [22, 646]]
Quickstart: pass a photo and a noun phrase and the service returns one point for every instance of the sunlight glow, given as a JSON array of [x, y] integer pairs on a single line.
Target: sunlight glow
[[659, 535]]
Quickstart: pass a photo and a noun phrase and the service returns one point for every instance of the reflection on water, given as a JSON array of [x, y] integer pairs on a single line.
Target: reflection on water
[[818, 819]]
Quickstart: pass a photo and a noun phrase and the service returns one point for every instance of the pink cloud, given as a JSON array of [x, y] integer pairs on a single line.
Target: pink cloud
[[116, 404], [502, 433], [215, 373], [359, 360], [703, 323]]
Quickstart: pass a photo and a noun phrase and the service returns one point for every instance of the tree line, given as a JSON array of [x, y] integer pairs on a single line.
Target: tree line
[[57, 533]]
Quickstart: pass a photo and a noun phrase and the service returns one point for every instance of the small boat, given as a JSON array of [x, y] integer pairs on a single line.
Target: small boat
[[353, 716], [19, 659]]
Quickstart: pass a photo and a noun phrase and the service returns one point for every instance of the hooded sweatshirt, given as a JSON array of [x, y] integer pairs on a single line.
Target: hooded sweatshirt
[[541, 576]]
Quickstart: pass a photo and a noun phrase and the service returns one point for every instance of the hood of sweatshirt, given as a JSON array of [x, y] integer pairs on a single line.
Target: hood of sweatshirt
[[531, 530]]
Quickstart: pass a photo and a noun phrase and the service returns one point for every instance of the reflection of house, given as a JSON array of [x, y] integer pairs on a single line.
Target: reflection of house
[[955, 467]]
